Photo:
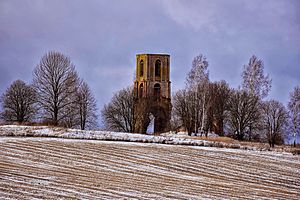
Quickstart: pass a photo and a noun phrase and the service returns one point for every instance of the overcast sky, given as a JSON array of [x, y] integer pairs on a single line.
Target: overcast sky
[[103, 37]]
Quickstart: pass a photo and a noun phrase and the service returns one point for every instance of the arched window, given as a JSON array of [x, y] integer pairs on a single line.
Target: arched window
[[141, 90], [157, 68], [141, 68], [156, 90]]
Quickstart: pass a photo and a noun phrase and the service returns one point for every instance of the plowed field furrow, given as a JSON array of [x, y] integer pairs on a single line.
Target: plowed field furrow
[[62, 186], [84, 169]]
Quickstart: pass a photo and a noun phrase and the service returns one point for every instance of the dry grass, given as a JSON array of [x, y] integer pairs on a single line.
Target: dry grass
[[51, 168], [257, 145], [213, 139]]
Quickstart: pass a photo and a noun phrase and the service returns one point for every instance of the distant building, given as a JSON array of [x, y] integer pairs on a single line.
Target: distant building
[[152, 89]]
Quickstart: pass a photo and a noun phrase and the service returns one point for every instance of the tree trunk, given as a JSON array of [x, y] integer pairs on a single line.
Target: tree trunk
[[295, 138]]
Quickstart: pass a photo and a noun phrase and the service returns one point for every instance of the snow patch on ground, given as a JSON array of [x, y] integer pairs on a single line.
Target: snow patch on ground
[[165, 138]]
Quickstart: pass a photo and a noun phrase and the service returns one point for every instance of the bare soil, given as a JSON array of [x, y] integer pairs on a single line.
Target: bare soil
[[52, 168]]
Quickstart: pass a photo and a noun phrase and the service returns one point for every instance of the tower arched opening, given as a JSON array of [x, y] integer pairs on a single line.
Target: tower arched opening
[[141, 88], [156, 92], [157, 68], [141, 68]]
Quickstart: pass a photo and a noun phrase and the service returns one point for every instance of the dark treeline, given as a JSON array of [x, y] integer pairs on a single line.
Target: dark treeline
[[203, 106], [57, 96]]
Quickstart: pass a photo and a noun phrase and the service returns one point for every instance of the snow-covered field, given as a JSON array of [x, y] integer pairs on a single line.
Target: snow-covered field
[[59, 168], [166, 138]]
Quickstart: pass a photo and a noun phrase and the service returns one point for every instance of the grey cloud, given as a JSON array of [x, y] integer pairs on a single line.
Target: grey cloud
[[102, 38]]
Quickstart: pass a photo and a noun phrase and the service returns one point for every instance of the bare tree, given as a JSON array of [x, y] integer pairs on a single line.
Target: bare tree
[[86, 107], [197, 84], [243, 111], [70, 114], [191, 105], [175, 122], [184, 109], [119, 114], [18, 102], [219, 93], [274, 117], [254, 80], [199, 72], [294, 111], [55, 81]]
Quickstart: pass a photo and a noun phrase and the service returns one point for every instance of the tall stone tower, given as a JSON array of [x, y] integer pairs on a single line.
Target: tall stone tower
[[152, 89]]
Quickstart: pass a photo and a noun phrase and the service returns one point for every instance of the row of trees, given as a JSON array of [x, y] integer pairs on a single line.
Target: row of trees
[[204, 106], [57, 96]]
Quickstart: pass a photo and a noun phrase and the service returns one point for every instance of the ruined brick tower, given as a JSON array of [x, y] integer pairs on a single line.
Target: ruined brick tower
[[152, 89]]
